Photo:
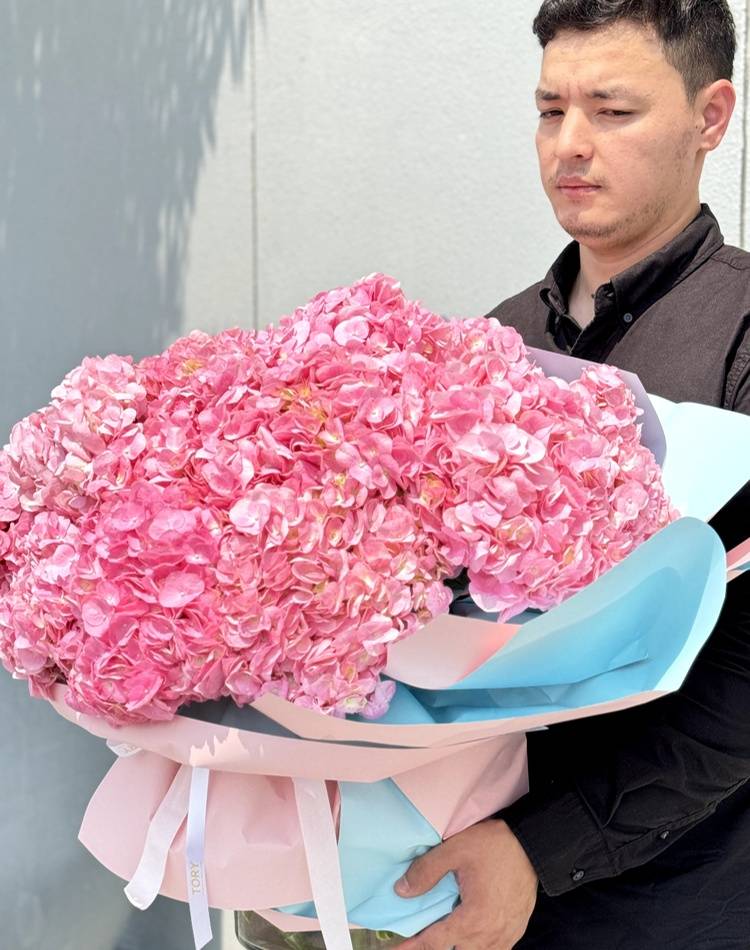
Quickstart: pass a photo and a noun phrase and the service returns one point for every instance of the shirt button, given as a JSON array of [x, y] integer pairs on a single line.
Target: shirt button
[[628, 318], [664, 835], [578, 876]]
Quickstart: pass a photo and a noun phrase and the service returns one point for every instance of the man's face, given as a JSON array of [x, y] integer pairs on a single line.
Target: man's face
[[617, 138]]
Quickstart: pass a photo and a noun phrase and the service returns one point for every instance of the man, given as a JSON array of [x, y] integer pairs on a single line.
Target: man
[[636, 832]]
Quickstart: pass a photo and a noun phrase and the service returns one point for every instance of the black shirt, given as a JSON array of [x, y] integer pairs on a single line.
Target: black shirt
[[638, 823], [678, 319]]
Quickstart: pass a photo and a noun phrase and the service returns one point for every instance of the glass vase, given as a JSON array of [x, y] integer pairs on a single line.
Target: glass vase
[[255, 933]]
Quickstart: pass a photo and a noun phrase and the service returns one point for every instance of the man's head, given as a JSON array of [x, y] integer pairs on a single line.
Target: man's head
[[633, 95]]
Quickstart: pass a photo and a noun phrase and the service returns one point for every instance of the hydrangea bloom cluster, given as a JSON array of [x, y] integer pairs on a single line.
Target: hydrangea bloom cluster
[[268, 511]]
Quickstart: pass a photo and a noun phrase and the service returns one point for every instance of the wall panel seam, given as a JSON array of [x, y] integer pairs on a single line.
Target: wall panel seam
[[255, 231]]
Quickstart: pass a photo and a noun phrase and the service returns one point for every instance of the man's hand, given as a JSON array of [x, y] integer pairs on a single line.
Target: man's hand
[[498, 888]]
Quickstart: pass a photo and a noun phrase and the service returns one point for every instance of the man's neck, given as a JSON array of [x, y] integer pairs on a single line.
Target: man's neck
[[600, 265]]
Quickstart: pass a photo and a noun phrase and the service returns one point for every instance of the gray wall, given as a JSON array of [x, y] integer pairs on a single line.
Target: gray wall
[[170, 164]]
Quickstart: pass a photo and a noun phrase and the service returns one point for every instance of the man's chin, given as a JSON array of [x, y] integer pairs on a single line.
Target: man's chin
[[587, 231]]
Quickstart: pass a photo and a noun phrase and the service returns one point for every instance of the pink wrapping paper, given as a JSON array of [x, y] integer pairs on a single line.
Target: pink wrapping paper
[[254, 856], [254, 853], [227, 749], [305, 722]]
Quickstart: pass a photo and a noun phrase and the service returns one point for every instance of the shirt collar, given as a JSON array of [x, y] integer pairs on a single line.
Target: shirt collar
[[637, 288]]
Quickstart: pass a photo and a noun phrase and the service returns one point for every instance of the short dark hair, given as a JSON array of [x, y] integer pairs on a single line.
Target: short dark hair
[[698, 36]]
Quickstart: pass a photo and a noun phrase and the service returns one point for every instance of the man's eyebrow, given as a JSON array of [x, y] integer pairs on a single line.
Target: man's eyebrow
[[546, 95], [613, 92], [606, 93]]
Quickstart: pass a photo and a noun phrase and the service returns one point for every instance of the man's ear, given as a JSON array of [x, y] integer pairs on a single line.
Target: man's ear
[[715, 105]]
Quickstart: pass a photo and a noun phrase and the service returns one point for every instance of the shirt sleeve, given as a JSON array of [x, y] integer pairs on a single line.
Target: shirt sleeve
[[612, 792]]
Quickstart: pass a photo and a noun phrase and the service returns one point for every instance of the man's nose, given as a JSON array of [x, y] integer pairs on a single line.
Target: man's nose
[[574, 139]]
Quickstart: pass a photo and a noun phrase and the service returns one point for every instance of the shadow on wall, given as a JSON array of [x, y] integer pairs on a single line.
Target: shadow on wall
[[106, 113], [106, 116]]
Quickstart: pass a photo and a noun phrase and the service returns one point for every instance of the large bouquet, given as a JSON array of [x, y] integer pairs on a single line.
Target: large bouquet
[[267, 512], [271, 518]]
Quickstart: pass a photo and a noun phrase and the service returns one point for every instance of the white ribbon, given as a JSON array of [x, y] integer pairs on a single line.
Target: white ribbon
[[188, 797], [322, 853], [194, 858], [167, 821]]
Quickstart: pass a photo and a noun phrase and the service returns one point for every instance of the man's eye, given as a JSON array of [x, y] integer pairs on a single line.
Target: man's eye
[[550, 114], [617, 113]]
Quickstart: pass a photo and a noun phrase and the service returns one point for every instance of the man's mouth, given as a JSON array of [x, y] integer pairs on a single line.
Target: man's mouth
[[576, 187]]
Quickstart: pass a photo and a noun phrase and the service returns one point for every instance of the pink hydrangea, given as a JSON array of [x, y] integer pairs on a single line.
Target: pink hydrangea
[[266, 512]]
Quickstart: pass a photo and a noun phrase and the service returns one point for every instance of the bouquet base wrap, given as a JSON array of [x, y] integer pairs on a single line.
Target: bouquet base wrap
[[254, 845]]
